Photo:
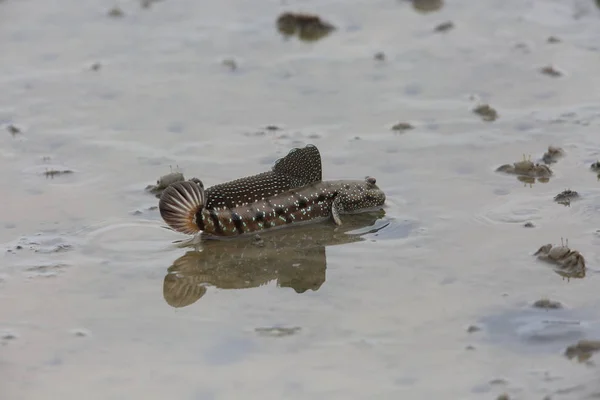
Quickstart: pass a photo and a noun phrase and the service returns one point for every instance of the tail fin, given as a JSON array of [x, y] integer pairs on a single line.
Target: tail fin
[[179, 205]]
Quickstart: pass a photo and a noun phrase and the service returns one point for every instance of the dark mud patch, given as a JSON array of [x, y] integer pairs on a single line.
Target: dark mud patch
[[379, 56], [8, 336], [427, 6], [51, 173], [148, 3], [230, 64], [402, 127], [80, 332], [551, 71], [444, 27], [115, 12]]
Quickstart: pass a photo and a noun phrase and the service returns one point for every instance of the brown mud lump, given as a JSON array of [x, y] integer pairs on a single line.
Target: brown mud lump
[[308, 27], [547, 304], [486, 112]]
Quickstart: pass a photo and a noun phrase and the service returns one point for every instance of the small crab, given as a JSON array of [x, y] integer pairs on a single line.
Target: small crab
[[566, 196], [567, 259], [165, 181], [553, 154], [526, 167]]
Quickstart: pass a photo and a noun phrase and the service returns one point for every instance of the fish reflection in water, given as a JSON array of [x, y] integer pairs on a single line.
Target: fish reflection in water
[[295, 259]]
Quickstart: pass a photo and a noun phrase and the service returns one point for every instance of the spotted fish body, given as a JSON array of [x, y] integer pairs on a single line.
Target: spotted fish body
[[181, 207], [311, 203], [237, 208], [300, 167]]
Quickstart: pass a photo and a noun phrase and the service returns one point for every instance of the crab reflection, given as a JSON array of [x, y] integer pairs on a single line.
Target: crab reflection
[[294, 258]]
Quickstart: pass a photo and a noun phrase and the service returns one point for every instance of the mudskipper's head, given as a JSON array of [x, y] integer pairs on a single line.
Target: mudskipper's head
[[360, 196]]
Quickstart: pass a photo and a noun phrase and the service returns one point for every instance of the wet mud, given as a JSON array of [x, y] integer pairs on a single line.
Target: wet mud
[[105, 105]]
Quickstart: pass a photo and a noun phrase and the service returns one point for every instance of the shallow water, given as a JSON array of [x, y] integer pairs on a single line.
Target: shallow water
[[85, 309]]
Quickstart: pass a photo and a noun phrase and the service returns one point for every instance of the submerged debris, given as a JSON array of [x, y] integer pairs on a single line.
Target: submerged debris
[[7, 336], [115, 12], [164, 181], [229, 63], [553, 39], [547, 304], [402, 126], [553, 154], [80, 332], [140, 212], [529, 224], [51, 173], [570, 261], [473, 329], [551, 71], [566, 196], [595, 166], [277, 331], [148, 3], [444, 26], [308, 27], [95, 66], [47, 270], [522, 47], [13, 130], [379, 56], [486, 112], [258, 241], [526, 167], [583, 350]]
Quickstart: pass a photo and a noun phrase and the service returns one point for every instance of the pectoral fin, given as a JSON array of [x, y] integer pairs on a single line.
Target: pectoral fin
[[335, 213]]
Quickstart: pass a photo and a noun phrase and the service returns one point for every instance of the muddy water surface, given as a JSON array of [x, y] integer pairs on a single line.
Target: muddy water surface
[[95, 302]]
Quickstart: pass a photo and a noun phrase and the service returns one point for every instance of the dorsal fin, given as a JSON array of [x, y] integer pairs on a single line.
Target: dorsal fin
[[300, 167], [302, 164]]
